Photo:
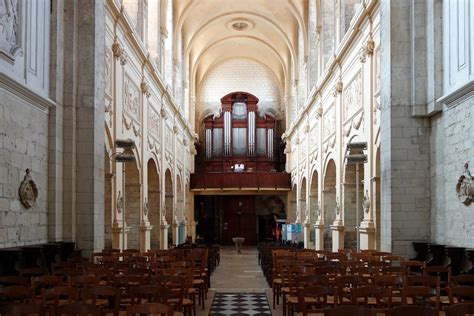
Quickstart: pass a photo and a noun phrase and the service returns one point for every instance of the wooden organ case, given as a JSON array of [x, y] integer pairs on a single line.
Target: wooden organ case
[[241, 135]]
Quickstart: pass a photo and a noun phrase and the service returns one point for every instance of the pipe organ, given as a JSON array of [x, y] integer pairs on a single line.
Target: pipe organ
[[241, 134]]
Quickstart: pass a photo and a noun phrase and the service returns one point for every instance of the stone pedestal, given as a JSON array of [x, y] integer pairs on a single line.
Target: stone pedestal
[[118, 236], [175, 232], [145, 236], [306, 235], [192, 230], [318, 236], [164, 235], [337, 237], [367, 235]]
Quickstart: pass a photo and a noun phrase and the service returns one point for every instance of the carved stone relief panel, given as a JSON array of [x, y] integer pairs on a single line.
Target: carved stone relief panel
[[169, 138], [153, 122], [329, 121], [314, 137], [10, 32], [353, 96], [131, 98]]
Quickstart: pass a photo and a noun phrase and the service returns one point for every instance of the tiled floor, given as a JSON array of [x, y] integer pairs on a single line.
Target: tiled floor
[[241, 276], [237, 304]]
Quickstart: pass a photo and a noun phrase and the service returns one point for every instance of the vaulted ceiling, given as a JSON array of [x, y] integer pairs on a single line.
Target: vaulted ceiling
[[265, 31]]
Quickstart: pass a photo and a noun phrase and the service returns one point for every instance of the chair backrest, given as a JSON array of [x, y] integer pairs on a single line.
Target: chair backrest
[[319, 298], [149, 309], [460, 309], [53, 295], [26, 309], [78, 309], [421, 295], [83, 281], [353, 310], [7, 280], [15, 293], [100, 292], [463, 279], [460, 294], [361, 295], [150, 293], [413, 310]]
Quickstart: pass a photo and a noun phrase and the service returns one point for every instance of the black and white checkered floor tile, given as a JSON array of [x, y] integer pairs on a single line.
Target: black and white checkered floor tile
[[240, 304]]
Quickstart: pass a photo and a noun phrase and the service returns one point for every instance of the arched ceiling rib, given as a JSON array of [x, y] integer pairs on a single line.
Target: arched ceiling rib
[[208, 39]]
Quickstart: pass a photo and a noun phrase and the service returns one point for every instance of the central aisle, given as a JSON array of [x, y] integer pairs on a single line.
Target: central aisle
[[238, 273]]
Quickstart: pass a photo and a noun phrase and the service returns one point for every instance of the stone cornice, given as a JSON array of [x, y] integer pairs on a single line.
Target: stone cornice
[[33, 98]]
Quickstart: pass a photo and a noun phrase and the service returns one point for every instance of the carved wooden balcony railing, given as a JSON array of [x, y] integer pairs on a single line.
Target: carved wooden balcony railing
[[262, 180]]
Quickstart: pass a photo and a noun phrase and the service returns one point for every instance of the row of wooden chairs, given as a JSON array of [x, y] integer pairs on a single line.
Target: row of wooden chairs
[[80, 309]]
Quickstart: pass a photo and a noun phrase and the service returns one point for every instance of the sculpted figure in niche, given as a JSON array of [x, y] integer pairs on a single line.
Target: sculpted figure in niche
[[120, 202], [366, 202], [8, 24], [28, 191], [464, 187]]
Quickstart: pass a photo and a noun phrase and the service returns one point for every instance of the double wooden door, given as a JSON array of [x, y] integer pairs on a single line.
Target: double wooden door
[[239, 219]]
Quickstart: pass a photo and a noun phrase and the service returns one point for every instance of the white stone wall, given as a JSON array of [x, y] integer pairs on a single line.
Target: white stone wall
[[239, 75], [452, 144], [23, 144]]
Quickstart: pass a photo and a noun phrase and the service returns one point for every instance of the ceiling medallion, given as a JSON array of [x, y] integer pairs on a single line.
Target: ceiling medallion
[[240, 24]]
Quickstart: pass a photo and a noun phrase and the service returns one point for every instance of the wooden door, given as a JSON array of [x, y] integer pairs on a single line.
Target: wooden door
[[239, 219]]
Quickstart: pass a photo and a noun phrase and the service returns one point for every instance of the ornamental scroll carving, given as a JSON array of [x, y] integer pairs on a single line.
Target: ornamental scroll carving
[[10, 29], [329, 122], [465, 186], [353, 96], [28, 191]]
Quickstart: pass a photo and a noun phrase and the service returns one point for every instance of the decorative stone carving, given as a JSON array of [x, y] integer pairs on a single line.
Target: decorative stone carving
[[329, 124], [153, 123], [367, 49], [353, 96], [163, 113], [119, 203], [131, 98], [130, 124], [175, 129], [465, 186], [366, 204], [10, 33], [110, 111], [164, 32], [336, 208], [337, 88], [145, 88], [119, 52], [319, 112], [28, 191], [146, 207], [319, 209], [108, 72]]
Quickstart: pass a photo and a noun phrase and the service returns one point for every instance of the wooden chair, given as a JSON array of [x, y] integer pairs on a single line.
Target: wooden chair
[[421, 295], [461, 294], [7, 280], [44, 282], [59, 295], [107, 297], [371, 296], [344, 286], [352, 310], [460, 309], [463, 279], [316, 299], [83, 281], [78, 309], [18, 309], [149, 309], [149, 294], [393, 284], [32, 272], [413, 310], [15, 293], [413, 266]]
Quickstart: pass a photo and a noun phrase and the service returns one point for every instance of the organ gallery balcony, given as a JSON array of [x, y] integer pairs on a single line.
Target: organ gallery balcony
[[247, 180]]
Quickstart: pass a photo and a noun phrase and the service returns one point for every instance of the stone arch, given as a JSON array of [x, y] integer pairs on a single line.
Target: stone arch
[[303, 202], [329, 202], [132, 203], [351, 202], [154, 203], [293, 207], [313, 197], [168, 207], [108, 200], [179, 198]]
